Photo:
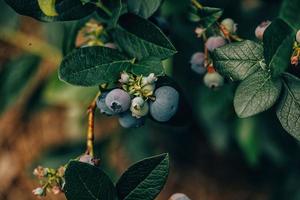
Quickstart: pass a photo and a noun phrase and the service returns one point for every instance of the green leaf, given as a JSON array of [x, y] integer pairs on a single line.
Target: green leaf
[[141, 38], [145, 179], [51, 10], [147, 66], [109, 11], [91, 66], [87, 182], [256, 94], [289, 12], [144, 8], [239, 60], [14, 78], [278, 46], [207, 16], [288, 111]]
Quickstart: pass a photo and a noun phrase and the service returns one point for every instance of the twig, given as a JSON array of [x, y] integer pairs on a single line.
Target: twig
[[197, 4], [90, 131]]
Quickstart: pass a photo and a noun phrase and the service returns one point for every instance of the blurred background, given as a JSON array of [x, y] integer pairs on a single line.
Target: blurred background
[[215, 156]]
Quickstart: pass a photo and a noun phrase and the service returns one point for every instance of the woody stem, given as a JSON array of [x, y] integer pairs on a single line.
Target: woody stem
[[90, 131]]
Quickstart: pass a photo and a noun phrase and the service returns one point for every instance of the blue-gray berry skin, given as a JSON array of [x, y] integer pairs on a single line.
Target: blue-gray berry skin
[[102, 105], [197, 63], [118, 101], [165, 105], [126, 120]]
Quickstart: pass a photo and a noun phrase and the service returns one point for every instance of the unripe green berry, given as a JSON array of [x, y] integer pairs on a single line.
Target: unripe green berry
[[229, 24], [139, 107], [213, 80], [179, 196]]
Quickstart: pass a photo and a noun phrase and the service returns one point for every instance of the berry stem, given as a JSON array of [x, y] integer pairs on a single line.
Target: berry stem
[[90, 131], [197, 4]]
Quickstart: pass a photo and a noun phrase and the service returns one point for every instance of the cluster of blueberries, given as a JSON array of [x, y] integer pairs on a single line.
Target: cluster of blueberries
[[136, 97], [200, 62]]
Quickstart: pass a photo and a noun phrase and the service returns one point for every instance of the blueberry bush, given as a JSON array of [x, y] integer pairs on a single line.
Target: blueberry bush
[[122, 49]]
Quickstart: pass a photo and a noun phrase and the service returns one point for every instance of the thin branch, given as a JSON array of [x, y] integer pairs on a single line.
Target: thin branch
[[90, 131], [197, 4]]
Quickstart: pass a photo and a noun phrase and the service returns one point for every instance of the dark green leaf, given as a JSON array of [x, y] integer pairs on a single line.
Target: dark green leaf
[[87, 182], [63, 10], [256, 94], [147, 66], [239, 60], [288, 111], [278, 46], [208, 16], [141, 38], [145, 179], [144, 8], [109, 11], [290, 13], [14, 77], [91, 66]]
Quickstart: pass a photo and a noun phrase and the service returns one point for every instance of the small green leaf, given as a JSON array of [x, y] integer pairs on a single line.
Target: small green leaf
[[87, 182], [109, 11], [48, 7], [290, 13], [91, 66], [288, 111], [141, 38], [239, 60], [144, 8], [14, 77], [51, 10], [145, 179], [147, 66], [278, 46], [256, 94], [208, 16]]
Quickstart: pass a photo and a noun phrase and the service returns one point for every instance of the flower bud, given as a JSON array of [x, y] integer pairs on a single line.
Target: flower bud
[[139, 107], [124, 78], [38, 191], [298, 36], [229, 24], [179, 196]]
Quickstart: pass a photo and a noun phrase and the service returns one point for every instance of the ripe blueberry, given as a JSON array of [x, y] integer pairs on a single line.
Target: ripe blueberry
[[213, 80], [197, 62], [166, 103], [118, 101], [126, 120], [215, 42], [179, 196], [139, 107], [229, 24], [260, 29], [102, 105], [298, 36]]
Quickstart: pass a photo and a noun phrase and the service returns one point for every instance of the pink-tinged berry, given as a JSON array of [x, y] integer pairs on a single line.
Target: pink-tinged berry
[[215, 42], [298, 36], [260, 29]]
